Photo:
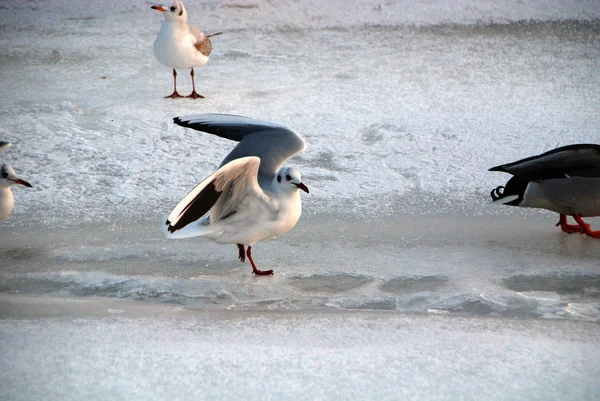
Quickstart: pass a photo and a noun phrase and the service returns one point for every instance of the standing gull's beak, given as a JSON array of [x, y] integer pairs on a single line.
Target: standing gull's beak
[[22, 182], [302, 187], [160, 8]]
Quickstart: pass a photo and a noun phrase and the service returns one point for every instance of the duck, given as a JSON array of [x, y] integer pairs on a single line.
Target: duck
[[565, 180]]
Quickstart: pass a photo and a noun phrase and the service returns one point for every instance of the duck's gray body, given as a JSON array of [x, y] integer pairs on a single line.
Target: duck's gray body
[[575, 195], [565, 180]]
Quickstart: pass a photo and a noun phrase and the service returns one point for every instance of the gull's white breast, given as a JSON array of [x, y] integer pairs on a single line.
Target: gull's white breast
[[260, 221], [174, 47]]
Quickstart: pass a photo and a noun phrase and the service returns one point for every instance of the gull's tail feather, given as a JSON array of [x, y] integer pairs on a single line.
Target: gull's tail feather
[[199, 228]]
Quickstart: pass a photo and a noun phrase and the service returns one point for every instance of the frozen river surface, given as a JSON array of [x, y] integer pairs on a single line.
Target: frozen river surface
[[399, 281]]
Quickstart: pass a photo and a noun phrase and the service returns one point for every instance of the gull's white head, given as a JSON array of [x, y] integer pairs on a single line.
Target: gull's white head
[[289, 179], [174, 12], [8, 177]]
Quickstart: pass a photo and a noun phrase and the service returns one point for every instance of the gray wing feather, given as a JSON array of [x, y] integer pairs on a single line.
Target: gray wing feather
[[272, 143], [582, 160]]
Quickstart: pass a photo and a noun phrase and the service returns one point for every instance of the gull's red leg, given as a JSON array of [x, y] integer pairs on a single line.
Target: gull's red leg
[[174, 94], [194, 94], [254, 269], [568, 228], [241, 253], [586, 227]]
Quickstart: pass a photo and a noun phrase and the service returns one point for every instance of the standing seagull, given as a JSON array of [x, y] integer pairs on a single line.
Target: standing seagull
[[250, 197], [179, 45], [565, 180], [8, 178]]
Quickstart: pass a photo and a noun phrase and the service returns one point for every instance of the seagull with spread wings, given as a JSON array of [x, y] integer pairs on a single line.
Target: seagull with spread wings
[[251, 196]]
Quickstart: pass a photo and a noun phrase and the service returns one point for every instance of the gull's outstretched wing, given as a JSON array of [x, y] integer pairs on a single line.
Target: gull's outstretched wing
[[582, 160], [272, 143], [220, 193]]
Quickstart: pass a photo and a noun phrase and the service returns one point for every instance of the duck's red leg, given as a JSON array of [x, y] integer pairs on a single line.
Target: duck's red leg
[[586, 227], [568, 228], [254, 269]]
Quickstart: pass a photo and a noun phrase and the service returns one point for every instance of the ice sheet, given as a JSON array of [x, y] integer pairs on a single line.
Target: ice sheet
[[409, 286], [111, 350], [397, 100], [491, 266]]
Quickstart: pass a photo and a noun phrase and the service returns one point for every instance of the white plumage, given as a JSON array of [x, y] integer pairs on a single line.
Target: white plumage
[[250, 197], [8, 178], [180, 45]]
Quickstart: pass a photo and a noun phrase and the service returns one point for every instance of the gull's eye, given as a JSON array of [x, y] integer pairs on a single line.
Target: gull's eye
[[287, 177], [278, 178], [4, 174], [173, 8]]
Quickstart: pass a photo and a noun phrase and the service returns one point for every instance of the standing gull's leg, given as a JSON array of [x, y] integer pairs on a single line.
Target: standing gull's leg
[[194, 94], [568, 228], [174, 94], [586, 227], [254, 269], [241, 253]]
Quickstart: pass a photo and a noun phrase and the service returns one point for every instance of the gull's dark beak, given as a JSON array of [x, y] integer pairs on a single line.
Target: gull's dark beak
[[160, 8], [22, 182], [302, 187]]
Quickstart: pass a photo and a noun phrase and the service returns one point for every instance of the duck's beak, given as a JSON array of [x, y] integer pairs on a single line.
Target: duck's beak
[[302, 187], [160, 8], [22, 182]]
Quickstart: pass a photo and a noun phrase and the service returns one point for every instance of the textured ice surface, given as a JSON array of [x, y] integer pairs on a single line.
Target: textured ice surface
[[499, 266], [398, 101], [172, 354], [404, 106]]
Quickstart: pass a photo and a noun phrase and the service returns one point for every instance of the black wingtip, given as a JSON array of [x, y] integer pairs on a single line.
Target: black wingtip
[[498, 168], [183, 123], [170, 228]]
